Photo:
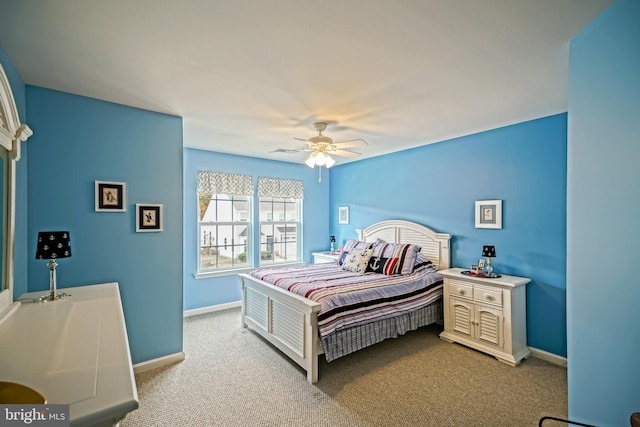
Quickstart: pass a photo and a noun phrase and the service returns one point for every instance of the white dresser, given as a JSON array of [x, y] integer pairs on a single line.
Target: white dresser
[[72, 351], [488, 314]]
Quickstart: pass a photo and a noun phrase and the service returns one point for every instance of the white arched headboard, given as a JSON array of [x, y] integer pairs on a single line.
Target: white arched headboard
[[435, 246]]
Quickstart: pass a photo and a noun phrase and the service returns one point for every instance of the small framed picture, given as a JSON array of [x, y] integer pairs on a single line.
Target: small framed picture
[[489, 214], [111, 196], [148, 217], [343, 215], [481, 263]]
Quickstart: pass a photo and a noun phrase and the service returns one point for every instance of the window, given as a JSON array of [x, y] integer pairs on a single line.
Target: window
[[279, 240], [224, 229], [227, 235]]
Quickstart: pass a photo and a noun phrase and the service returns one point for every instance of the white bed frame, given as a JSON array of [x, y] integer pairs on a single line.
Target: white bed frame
[[290, 322]]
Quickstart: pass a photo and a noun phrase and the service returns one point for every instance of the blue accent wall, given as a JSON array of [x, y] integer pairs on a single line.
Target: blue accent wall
[[20, 246], [79, 140], [603, 289], [436, 185], [200, 293]]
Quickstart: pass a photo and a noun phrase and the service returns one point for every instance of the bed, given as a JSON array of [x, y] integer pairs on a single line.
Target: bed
[[290, 321]]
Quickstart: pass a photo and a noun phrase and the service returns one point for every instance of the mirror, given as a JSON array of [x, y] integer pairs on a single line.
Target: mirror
[[4, 156], [12, 133]]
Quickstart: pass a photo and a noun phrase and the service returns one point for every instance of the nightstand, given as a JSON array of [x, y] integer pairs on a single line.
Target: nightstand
[[325, 257], [487, 314]]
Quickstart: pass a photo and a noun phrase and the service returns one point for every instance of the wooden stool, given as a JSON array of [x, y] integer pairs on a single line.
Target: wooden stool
[[635, 419]]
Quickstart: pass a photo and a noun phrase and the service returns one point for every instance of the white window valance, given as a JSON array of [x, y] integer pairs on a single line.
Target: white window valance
[[283, 188], [224, 183]]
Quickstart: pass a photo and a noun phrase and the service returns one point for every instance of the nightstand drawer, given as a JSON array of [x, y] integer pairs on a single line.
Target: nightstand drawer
[[487, 295], [461, 289]]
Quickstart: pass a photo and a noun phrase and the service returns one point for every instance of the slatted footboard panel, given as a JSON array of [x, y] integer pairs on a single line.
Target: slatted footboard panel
[[288, 326], [286, 320], [257, 308]]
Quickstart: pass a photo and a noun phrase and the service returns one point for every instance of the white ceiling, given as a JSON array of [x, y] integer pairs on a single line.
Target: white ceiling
[[250, 75]]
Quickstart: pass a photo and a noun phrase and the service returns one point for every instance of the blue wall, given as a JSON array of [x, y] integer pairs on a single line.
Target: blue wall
[[224, 289], [20, 248], [523, 165], [76, 141], [603, 296]]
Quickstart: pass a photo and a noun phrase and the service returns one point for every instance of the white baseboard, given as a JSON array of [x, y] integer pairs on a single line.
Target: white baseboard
[[159, 362], [212, 308], [549, 357]]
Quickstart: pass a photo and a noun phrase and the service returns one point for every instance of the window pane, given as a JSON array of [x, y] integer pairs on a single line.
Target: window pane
[[266, 210], [225, 210], [279, 231], [224, 233], [241, 210]]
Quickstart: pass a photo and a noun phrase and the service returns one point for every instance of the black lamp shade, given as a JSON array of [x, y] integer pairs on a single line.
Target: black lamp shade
[[489, 251], [53, 245]]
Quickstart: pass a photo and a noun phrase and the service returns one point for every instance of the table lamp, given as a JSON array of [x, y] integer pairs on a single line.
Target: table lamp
[[332, 240], [53, 245], [489, 252]]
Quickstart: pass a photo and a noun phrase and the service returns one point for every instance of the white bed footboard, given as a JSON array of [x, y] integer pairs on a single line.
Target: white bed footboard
[[286, 320]]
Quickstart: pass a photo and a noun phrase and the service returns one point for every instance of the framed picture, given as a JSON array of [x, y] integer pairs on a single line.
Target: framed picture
[[489, 214], [343, 215], [111, 196], [148, 217]]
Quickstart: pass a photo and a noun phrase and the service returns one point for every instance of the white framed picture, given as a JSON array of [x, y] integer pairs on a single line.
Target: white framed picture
[[111, 196], [149, 217], [343, 215], [488, 213]]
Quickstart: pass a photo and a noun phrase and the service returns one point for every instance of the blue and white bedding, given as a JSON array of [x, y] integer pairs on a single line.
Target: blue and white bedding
[[348, 299]]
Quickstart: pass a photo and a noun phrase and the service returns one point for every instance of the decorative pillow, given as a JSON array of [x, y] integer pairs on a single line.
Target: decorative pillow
[[400, 257], [352, 244], [356, 260]]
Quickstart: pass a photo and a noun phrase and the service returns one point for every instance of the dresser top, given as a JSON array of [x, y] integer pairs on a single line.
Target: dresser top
[[504, 280]]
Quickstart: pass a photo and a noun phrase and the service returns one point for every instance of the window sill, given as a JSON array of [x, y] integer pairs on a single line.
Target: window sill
[[210, 274]]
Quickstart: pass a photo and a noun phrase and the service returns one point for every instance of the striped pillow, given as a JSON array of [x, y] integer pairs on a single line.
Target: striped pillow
[[394, 258]]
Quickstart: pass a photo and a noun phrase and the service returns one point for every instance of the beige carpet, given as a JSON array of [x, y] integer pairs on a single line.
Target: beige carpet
[[231, 377]]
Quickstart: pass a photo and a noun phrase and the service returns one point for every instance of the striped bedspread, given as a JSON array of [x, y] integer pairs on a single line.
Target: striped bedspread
[[349, 299]]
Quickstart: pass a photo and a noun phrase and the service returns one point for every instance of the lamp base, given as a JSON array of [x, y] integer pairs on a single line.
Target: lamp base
[[53, 296]]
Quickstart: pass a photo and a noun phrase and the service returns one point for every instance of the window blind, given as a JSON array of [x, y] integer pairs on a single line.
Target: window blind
[[282, 188], [224, 183]]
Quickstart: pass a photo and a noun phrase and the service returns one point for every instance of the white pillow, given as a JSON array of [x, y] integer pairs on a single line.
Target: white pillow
[[357, 260]]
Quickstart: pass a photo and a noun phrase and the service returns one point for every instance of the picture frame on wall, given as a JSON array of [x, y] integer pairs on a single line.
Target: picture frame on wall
[[149, 217], [343, 215], [110, 196], [489, 214]]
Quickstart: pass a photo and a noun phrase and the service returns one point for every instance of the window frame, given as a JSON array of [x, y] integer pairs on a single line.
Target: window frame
[[247, 243], [270, 222]]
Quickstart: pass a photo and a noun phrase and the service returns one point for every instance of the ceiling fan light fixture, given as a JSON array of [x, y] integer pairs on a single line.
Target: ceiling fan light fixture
[[321, 158], [311, 161], [329, 162]]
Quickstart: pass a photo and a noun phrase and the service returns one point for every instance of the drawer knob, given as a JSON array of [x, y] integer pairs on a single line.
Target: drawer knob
[[490, 298], [461, 292]]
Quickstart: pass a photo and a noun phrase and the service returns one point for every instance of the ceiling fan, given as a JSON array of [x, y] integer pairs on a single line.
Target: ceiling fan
[[322, 148]]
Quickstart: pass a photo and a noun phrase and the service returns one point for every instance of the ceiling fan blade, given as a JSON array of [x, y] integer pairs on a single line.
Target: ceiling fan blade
[[285, 150], [345, 153], [351, 143], [301, 139]]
